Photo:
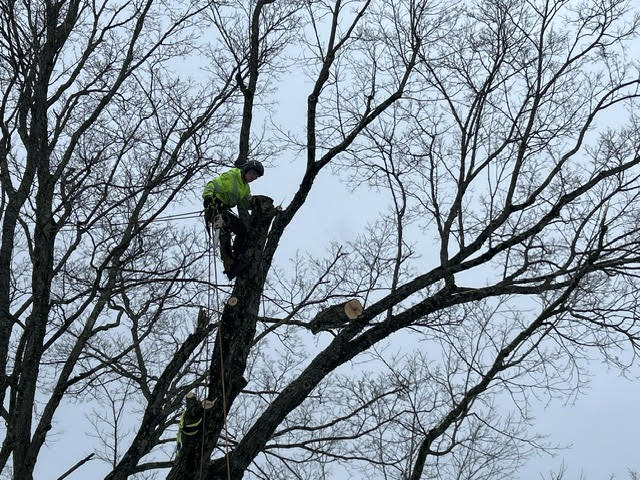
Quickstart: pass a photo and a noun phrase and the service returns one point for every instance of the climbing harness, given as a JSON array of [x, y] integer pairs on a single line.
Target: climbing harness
[[188, 430]]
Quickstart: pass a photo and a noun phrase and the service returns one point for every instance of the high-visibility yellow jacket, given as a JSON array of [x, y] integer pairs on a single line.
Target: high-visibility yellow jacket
[[230, 189]]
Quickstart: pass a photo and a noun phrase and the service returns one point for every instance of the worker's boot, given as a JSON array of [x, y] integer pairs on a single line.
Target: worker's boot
[[237, 268], [239, 264], [228, 261], [229, 266]]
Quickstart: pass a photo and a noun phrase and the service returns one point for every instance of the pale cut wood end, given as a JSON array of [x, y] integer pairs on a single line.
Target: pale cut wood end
[[353, 308], [207, 404]]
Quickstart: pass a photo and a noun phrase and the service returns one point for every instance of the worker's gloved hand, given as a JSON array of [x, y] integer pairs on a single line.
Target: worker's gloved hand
[[207, 202]]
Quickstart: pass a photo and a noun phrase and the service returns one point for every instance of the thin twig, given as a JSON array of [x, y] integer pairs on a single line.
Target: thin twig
[[76, 466]]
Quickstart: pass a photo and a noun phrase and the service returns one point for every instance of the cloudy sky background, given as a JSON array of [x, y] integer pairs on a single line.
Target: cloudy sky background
[[602, 425]]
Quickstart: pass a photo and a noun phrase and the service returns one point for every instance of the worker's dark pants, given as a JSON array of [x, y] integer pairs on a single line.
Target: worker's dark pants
[[231, 225]]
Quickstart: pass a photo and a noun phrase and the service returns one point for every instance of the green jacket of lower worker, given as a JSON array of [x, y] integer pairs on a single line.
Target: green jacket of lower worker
[[230, 188]]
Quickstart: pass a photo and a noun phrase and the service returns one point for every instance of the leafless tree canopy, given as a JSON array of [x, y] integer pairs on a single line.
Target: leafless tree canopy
[[500, 139]]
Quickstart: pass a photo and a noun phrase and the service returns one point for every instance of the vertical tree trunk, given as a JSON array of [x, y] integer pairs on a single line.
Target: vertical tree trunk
[[36, 139], [232, 345]]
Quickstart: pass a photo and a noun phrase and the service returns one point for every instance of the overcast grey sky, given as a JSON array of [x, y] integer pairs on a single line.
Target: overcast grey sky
[[602, 425]]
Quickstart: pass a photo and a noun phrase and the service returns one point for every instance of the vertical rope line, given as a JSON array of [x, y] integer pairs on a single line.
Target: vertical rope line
[[212, 241], [224, 394], [210, 246]]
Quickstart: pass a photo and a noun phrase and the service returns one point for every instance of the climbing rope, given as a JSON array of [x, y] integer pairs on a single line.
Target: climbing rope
[[167, 218], [224, 394], [211, 244]]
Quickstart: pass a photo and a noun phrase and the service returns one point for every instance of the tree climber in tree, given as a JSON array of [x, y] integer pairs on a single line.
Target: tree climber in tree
[[222, 194]]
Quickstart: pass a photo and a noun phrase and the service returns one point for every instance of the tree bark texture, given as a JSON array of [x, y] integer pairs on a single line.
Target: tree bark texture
[[237, 328]]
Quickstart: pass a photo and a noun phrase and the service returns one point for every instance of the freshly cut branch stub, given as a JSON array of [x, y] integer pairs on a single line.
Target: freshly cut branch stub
[[207, 404], [336, 316]]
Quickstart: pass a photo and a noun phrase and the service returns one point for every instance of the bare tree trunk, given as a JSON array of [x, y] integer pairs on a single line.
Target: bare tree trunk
[[232, 345], [36, 137]]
